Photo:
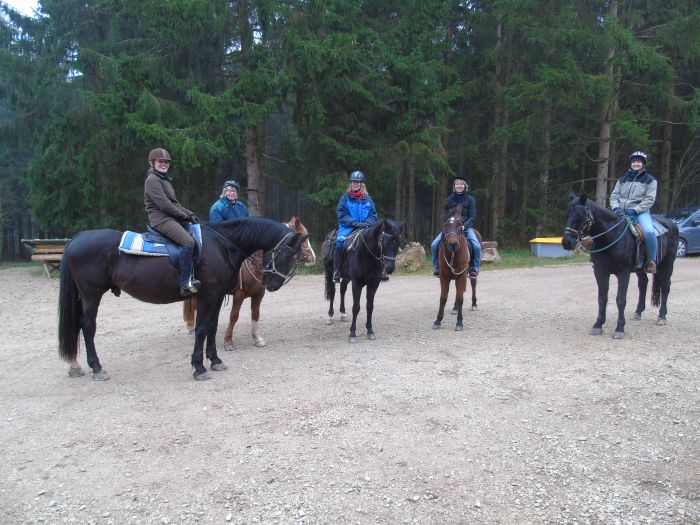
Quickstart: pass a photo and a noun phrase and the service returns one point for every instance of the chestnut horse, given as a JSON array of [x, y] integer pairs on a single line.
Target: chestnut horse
[[454, 256], [250, 284]]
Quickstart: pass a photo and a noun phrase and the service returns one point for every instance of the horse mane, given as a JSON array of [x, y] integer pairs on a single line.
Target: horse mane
[[250, 228]]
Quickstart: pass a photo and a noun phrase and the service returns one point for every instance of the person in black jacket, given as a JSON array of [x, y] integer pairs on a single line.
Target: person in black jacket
[[461, 195]]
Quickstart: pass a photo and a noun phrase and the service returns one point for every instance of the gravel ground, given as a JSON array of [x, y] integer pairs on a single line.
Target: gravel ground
[[522, 418]]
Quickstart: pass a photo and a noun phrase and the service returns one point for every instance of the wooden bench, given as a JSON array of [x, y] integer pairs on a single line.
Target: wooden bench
[[47, 251]]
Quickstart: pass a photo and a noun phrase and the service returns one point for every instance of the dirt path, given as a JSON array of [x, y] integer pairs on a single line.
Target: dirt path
[[521, 418]]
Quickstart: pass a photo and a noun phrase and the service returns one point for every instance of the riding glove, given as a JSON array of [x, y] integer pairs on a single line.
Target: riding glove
[[631, 213], [618, 211], [193, 219]]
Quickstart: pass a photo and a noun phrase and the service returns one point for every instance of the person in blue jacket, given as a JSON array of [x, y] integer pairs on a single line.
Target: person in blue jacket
[[633, 195], [355, 210], [460, 195], [228, 206]]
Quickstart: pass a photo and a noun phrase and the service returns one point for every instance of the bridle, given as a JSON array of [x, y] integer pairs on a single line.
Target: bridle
[[380, 242], [586, 226], [270, 268], [460, 238]]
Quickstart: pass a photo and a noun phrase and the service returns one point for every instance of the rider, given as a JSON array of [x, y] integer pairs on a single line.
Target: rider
[[355, 210], [461, 195], [634, 195], [166, 215], [228, 206]]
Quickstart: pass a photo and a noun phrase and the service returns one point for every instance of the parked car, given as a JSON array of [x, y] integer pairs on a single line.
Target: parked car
[[688, 221]]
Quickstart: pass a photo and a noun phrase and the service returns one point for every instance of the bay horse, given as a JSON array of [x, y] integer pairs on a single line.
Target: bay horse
[[92, 265], [373, 252], [613, 252], [250, 284], [454, 257]]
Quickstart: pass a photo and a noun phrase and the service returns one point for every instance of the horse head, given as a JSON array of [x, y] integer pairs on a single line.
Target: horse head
[[308, 256], [280, 264], [386, 235], [453, 229]]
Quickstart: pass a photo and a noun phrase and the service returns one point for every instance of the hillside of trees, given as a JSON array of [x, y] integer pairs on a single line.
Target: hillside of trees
[[529, 99]]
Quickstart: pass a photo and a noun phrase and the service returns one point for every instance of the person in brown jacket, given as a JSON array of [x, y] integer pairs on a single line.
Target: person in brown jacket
[[166, 215]]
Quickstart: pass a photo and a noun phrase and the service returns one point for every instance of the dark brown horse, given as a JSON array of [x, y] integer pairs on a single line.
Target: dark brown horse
[[92, 265], [454, 256], [250, 284]]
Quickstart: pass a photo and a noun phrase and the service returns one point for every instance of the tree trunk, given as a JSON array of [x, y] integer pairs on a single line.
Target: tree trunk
[[499, 163], [411, 215], [254, 173], [663, 194], [543, 221], [603, 160]]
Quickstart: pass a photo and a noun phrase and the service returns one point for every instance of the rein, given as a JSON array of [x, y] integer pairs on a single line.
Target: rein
[[381, 257], [460, 239], [586, 226]]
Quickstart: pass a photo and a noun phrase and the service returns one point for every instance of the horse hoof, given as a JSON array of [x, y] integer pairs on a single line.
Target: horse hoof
[[219, 367], [352, 339], [436, 326], [329, 320], [660, 322], [596, 331], [619, 335], [343, 317], [260, 342], [100, 376], [371, 337], [204, 376], [637, 317], [75, 371], [459, 328], [229, 347]]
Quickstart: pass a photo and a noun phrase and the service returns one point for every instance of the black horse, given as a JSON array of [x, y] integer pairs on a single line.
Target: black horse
[[372, 253], [614, 252], [91, 265]]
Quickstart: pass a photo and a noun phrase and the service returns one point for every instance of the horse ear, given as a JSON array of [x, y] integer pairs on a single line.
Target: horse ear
[[572, 196], [583, 198]]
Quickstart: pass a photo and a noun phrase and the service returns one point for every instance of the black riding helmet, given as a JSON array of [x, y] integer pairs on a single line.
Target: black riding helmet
[[463, 179], [638, 155], [233, 184], [357, 176]]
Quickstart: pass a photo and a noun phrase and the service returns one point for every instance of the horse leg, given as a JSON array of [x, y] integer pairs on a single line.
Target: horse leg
[[343, 289], [356, 296], [662, 281], [89, 326], [472, 282], [255, 301], [623, 281], [207, 318], [330, 293], [371, 290], [460, 286], [444, 290], [603, 280], [238, 298], [642, 282]]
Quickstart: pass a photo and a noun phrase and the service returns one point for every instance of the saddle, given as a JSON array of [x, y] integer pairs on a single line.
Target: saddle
[[154, 244], [328, 246], [661, 238]]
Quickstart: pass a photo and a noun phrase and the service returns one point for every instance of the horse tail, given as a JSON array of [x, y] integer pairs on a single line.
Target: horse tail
[[655, 290], [189, 307], [70, 311], [330, 285]]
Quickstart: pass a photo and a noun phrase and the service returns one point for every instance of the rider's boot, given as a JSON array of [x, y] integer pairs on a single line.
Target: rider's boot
[[650, 267], [337, 261], [188, 284]]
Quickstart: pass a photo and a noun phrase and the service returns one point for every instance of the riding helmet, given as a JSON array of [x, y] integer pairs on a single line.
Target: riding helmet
[[638, 155], [233, 184], [158, 154], [357, 176], [462, 178]]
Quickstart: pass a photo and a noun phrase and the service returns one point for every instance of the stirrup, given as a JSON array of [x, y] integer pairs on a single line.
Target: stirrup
[[650, 267], [190, 288], [473, 273], [384, 277], [336, 276], [436, 273]]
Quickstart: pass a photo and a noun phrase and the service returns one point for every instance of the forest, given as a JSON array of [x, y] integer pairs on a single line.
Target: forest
[[528, 99]]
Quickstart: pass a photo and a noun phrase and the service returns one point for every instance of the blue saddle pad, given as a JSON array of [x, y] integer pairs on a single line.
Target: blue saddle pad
[[154, 244]]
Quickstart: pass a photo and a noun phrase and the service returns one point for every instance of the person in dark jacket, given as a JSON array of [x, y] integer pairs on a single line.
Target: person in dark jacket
[[228, 206], [355, 210], [460, 195], [634, 195], [166, 215]]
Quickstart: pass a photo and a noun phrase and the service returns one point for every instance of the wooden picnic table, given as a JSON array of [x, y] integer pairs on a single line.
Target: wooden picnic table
[[47, 251]]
